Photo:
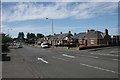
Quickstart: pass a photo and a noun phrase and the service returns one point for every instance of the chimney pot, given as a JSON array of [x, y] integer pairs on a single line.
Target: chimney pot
[[106, 31], [69, 32], [74, 33], [88, 30]]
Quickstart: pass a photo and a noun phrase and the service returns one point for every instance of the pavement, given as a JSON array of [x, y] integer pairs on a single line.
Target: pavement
[[36, 62]]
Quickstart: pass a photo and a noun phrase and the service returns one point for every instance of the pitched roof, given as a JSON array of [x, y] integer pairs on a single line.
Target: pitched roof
[[60, 36], [79, 35], [90, 34], [95, 34], [54, 36]]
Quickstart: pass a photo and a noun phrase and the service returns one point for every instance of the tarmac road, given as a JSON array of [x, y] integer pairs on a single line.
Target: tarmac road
[[36, 62]]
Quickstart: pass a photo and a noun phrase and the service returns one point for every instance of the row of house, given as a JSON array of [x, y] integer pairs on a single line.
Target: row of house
[[88, 38]]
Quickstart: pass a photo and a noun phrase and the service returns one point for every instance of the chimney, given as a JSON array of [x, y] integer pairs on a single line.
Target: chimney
[[60, 32], [69, 32], [74, 33], [88, 30], [106, 31]]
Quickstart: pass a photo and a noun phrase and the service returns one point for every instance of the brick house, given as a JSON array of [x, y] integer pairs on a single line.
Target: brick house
[[61, 38], [92, 37]]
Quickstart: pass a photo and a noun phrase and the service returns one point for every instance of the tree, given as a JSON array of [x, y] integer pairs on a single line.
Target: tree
[[21, 36], [6, 39], [39, 35], [32, 35], [30, 38], [28, 35]]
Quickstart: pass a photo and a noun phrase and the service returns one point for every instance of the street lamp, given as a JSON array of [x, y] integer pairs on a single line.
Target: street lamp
[[52, 29], [52, 25]]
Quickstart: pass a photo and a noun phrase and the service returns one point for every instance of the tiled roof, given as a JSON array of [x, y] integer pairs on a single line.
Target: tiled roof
[[60, 36], [79, 35], [90, 34], [95, 34]]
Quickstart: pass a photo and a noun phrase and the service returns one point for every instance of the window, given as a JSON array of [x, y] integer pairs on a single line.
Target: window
[[92, 42], [66, 38], [82, 41]]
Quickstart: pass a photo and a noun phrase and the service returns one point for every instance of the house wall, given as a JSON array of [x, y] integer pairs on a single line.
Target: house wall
[[88, 42], [57, 41], [102, 41], [91, 42], [95, 41]]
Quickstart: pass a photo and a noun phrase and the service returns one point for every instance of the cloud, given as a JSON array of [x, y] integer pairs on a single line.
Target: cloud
[[59, 10], [60, 0]]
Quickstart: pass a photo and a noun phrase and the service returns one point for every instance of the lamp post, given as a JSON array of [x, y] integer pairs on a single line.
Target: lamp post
[[52, 25], [52, 29]]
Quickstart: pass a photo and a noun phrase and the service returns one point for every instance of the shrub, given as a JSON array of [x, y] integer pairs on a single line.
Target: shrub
[[91, 47], [5, 48]]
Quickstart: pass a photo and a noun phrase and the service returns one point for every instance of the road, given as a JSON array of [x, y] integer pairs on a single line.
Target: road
[[36, 62]]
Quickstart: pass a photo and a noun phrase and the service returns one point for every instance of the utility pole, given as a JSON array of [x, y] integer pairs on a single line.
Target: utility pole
[[52, 25], [52, 29]]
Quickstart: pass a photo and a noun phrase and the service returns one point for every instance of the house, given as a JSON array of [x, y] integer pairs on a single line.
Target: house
[[92, 37], [44, 39], [62, 38], [116, 40], [80, 38]]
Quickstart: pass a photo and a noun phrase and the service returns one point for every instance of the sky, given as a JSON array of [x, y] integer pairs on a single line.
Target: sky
[[66, 16]]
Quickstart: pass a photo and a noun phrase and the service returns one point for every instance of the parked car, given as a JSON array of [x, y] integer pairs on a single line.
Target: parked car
[[20, 45], [45, 45]]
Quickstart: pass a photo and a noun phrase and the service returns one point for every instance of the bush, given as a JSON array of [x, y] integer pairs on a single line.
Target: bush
[[91, 47], [5, 48]]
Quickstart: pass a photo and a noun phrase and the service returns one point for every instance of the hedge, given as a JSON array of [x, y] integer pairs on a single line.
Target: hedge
[[5, 48], [91, 47]]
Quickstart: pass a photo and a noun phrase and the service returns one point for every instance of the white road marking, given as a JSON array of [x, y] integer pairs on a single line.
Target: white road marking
[[113, 51], [42, 60], [68, 56], [89, 56], [105, 54], [59, 58], [99, 68], [115, 59]]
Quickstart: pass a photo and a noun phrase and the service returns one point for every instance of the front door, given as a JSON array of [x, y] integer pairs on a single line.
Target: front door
[[85, 42]]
